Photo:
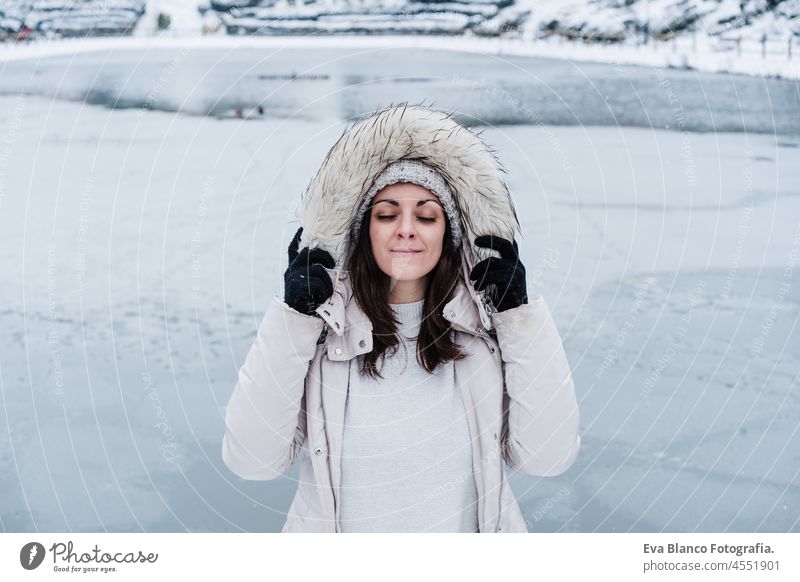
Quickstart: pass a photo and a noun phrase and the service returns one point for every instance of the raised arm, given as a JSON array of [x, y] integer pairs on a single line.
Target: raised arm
[[265, 421], [540, 411]]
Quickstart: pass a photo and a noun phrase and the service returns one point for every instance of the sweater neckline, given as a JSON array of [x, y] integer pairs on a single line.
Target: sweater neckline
[[409, 316]]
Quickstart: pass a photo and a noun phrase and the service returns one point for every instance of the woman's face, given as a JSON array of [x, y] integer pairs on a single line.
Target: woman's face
[[406, 217]]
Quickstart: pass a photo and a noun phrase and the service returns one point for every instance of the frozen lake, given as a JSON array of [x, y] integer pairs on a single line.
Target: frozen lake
[[141, 247], [341, 83]]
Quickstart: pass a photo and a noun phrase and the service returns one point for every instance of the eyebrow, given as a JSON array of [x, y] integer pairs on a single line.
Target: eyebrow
[[394, 202]]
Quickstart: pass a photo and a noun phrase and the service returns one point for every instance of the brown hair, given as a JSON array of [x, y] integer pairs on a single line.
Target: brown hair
[[371, 290]]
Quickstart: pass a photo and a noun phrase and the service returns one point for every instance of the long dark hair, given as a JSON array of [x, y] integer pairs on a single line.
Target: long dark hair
[[371, 288]]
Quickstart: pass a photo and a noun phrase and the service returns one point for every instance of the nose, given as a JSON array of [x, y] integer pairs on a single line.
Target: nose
[[407, 227]]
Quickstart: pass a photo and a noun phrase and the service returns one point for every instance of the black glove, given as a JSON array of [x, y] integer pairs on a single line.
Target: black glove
[[507, 273], [307, 284]]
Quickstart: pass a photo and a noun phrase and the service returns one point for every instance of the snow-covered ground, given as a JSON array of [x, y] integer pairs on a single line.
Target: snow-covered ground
[[678, 54], [733, 46], [185, 20], [141, 247]]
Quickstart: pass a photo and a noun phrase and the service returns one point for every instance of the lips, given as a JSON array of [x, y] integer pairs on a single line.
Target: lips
[[406, 251]]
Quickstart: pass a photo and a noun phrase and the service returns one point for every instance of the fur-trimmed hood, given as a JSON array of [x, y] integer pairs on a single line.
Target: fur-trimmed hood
[[350, 167]]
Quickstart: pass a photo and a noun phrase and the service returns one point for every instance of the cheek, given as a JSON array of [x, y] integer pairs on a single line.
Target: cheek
[[377, 236], [436, 242]]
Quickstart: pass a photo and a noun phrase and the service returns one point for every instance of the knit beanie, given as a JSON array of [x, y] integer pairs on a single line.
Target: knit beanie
[[414, 172]]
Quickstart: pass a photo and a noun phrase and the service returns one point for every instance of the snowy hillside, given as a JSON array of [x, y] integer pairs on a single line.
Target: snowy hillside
[[368, 16], [589, 20], [754, 37], [47, 18], [617, 20], [585, 20]]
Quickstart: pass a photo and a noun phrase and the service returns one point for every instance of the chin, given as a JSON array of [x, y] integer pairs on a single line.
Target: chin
[[404, 270], [405, 276]]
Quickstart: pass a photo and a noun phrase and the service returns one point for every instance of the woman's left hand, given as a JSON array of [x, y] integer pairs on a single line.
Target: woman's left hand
[[507, 273]]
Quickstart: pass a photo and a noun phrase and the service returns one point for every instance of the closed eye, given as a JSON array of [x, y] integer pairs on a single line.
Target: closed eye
[[387, 218]]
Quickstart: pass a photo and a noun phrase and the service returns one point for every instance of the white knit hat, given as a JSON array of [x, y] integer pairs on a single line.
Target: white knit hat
[[414, 172]]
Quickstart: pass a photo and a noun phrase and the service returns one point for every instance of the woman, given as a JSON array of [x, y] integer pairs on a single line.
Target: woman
[[405, 370]]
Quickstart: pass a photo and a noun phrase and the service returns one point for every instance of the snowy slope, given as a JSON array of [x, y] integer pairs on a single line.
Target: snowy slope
[[588, 20], [613, 19], [591, 20], [184, 16], [706, 35], [65, 18]]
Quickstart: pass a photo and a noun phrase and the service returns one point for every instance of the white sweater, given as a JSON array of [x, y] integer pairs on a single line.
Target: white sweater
[[406, 455]]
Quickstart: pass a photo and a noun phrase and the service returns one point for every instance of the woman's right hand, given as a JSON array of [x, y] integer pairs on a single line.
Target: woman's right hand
[[307, 284]]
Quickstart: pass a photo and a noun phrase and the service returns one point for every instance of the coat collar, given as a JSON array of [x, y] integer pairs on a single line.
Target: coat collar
[[352, 329]]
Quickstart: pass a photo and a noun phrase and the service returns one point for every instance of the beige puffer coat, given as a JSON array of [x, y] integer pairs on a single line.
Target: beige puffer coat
[[516, 383]]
